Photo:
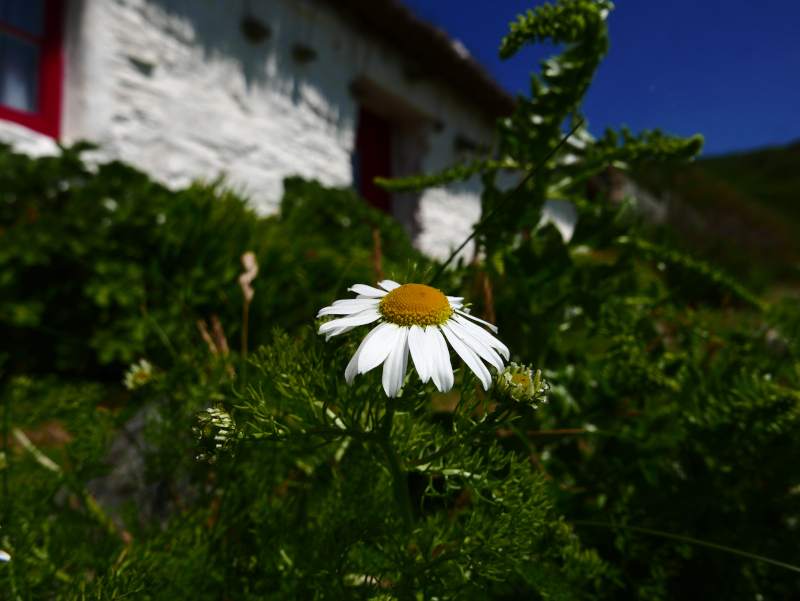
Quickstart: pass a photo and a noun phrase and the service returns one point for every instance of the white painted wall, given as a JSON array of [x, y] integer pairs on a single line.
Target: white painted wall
[[173, 88]]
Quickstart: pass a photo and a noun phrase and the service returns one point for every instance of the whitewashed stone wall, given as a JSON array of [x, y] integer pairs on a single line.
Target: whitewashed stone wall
[[174, 88]]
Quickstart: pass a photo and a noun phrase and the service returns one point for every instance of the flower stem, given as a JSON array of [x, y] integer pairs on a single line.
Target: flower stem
[[399, 475], [245, 320], [688, 539], [6, 458]]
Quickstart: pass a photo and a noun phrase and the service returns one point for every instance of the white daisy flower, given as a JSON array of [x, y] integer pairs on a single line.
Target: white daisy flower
[[416, 318]]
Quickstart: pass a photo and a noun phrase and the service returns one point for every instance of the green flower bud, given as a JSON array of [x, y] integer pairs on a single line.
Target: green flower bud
[[216, 433], [522, 384]]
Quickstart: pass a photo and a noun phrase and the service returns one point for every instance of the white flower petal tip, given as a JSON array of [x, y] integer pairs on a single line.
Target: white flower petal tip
[[349, 307], [415, 320], [388, 285], [469, 356], [367, 291], [492, 327], [4, 556], [358, 319]]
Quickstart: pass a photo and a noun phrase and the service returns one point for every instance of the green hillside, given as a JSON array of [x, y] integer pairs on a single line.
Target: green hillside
[[770, 177], [749, 208]]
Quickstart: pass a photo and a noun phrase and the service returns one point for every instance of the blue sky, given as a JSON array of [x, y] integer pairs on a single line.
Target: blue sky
[[727, 69]]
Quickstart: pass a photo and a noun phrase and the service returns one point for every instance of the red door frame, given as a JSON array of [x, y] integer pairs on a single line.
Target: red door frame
[[374, 145], [51, 73]]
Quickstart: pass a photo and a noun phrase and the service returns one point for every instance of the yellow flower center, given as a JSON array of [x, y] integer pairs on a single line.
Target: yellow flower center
[[415, 304], [521, 380]]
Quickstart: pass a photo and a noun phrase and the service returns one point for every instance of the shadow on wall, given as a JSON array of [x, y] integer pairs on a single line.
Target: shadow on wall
[[286, 46], [306, 54]]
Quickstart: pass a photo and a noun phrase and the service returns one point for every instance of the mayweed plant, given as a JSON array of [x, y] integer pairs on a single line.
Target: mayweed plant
[[662, 466]]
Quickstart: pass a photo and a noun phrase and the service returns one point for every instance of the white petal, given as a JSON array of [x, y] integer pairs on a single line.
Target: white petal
[[485, 336], [394, 368], [4, 556], [376, 351], [434, 353], [352, 368], [493, 328], [388, 285], [416, 344], [357, 319], [340, 330], [348, 307], [455, 299], [404, 357], [367, 291], [356, 301], [477, 345], [469, 356], [442, 372]]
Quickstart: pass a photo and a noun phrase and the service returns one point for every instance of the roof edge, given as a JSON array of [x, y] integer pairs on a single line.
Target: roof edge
[[433, 49]]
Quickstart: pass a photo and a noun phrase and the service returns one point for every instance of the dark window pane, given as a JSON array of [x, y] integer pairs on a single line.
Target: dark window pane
[[27, 15], [19, 70]]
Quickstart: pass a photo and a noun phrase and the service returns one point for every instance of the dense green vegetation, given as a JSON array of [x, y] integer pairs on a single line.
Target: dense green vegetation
[[672, 420]]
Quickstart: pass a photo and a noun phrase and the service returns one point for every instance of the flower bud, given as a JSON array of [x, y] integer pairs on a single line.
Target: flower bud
[[215, 432], [522, 384], [138, 374]]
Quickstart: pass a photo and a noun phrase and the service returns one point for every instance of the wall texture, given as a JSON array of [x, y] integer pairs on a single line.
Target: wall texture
[[175, 88]]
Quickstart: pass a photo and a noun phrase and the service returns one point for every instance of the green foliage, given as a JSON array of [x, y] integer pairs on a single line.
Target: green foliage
[[568, 21], [99, 268], [419, 182], [673, 402]]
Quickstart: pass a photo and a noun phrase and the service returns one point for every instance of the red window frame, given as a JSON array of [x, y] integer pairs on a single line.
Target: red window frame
[[47, 119]]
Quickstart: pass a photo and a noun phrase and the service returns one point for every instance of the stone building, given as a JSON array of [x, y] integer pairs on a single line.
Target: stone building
[[336, 90]]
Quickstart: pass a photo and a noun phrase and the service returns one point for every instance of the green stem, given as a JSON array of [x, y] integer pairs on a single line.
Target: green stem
[[6, 458], [162, 335], [338, 432], [693, 541], [245, 320], [399, 475], [334, 432]]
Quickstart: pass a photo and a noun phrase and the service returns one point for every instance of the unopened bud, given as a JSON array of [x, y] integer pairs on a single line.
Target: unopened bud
[[522, 384], [215, 432]]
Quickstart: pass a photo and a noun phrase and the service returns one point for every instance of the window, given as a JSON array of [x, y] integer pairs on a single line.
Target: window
[[31, 63]]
